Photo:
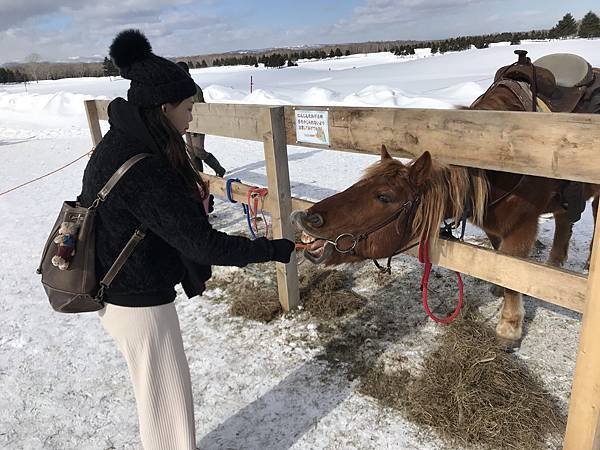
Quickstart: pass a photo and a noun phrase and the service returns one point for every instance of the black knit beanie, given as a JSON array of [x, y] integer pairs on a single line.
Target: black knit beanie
[[154, 80]]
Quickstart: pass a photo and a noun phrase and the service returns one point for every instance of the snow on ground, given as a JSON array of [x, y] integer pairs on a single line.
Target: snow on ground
[[63, 384]]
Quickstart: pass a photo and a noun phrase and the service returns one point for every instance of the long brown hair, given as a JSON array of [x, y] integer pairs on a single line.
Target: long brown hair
[[174, 149]]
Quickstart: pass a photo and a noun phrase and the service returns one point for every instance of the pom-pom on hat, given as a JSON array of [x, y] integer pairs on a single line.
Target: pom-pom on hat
[[154, 80]]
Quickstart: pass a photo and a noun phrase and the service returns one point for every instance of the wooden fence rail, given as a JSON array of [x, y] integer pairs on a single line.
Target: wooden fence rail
[[562, 146]]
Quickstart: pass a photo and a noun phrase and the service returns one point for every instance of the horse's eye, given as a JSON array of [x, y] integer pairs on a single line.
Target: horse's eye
[[383, 198]]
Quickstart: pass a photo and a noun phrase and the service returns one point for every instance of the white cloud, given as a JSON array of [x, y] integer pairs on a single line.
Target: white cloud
[[91, 26], [388, 12]]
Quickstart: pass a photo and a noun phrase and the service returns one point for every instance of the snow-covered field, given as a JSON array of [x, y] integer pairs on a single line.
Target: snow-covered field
[[63, 384]]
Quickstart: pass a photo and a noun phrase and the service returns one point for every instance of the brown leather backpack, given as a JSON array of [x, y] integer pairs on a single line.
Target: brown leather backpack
[[68, 260]]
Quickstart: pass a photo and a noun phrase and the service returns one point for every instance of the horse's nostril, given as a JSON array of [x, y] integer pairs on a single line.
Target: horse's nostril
[[316, 220]]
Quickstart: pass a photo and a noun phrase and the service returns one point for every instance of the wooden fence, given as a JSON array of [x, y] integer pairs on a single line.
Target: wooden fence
[[563, 146]]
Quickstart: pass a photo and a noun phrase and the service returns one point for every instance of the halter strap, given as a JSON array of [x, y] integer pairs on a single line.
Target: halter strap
[[363, 236]]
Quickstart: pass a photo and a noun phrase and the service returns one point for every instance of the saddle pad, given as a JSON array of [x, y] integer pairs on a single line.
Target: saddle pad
[[568, 69]]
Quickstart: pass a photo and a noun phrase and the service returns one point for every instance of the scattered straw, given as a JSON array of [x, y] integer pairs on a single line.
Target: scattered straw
[[326, 294], [472, 392], [252, 293]]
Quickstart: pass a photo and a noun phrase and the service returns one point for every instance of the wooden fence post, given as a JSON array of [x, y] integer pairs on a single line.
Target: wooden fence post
[[584, 406], [93, 121], [278, 176]]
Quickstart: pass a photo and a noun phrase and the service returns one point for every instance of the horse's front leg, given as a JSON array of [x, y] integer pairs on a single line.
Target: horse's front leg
[[496, 290], [563, 229], [518, 243]]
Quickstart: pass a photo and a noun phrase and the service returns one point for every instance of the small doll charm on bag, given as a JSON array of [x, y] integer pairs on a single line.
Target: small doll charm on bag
[[66, 239]]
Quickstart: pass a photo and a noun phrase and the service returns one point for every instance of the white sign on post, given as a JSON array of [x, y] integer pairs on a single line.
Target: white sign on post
[[312, 127]]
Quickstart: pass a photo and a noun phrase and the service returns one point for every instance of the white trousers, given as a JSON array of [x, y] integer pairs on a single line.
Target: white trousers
[[150, 340]]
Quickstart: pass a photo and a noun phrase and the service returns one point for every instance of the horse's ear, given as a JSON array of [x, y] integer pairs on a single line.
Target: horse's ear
[[420, 170], [384, 153]]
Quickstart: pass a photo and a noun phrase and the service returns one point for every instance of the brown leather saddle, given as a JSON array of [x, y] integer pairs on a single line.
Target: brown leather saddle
[[563, 81]]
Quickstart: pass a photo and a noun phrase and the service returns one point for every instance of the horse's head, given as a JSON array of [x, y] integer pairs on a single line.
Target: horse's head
[[371, 219]]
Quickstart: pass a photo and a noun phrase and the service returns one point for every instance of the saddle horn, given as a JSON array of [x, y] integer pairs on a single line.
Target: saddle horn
[[523, 59]]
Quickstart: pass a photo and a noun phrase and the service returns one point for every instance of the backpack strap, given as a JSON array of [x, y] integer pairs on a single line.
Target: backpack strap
[[134, 240], [119, 173], [138, 235]]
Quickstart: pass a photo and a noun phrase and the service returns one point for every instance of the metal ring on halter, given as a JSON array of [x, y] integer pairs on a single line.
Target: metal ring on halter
[[335, 243]]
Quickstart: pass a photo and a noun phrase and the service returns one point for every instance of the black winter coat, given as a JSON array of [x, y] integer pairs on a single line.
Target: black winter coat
[[180, 244]]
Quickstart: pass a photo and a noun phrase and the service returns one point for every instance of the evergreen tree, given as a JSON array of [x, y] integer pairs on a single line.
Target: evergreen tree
[[347, 53], [590, 26], [565, 27], [331, 54], [338, 52], [108, 68]]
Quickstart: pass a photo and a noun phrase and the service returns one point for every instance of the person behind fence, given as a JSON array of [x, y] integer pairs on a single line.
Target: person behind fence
[[164, 193], [196, 140]]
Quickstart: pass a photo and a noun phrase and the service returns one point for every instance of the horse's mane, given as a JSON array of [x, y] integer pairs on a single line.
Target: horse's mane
[[444, 194]]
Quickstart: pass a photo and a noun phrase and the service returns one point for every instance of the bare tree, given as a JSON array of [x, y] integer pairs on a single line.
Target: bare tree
[[33, 60]]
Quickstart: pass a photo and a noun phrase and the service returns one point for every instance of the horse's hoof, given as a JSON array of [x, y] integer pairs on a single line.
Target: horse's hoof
[[508, 345], [497, 291], [555, 261], [509, 334]]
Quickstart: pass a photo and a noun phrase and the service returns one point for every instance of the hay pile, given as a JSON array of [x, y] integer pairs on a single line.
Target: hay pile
[[471, 392], [324, 294]]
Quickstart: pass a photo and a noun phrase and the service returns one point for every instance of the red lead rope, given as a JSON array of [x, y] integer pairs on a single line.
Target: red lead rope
[[424, 259]]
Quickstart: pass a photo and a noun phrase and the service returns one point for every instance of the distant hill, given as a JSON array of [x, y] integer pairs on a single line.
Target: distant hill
[[354, 47]]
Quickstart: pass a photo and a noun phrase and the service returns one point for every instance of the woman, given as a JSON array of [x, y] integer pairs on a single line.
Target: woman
[[164, 193]]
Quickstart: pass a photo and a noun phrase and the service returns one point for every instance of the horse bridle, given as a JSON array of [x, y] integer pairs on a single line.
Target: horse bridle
[[409, 204]]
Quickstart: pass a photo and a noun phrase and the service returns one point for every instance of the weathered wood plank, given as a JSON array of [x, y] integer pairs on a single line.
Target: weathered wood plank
[[560, 287], [542, 144], [279, 188], [550, 145], [91, 112], [583, 426], [102, 107], [228, 120], [239, 192]]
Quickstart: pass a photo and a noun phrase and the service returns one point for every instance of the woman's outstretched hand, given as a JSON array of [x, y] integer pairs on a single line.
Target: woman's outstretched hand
[[282, 250]]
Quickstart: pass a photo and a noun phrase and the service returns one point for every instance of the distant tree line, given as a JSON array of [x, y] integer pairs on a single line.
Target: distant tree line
[[466, 42], [12, 76], [588, 27], [50, 71]]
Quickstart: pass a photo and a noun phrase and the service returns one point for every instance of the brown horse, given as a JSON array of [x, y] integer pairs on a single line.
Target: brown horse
[[400, 204], [394, 205]]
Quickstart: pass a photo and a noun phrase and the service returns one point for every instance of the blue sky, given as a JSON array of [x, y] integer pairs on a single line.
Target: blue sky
[[59, 29]]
